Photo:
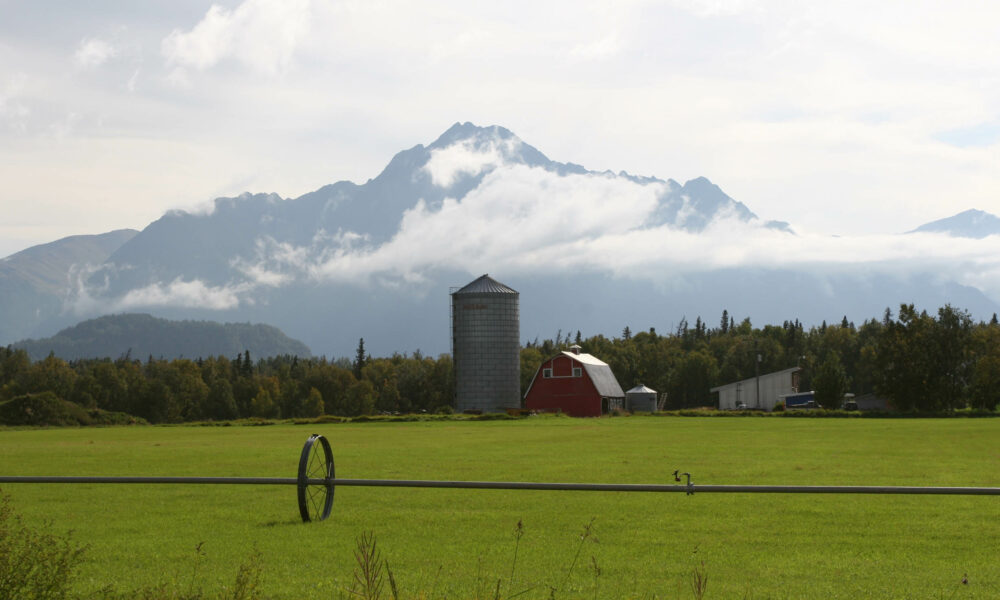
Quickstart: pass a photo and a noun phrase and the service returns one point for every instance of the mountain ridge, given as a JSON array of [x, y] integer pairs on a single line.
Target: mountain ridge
[[376, 259], [972, 223]]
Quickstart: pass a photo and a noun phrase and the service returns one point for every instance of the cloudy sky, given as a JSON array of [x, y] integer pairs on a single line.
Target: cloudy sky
[[841, 118]]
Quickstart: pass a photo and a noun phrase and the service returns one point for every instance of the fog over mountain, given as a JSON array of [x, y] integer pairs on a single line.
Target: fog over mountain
[[588, 250], [34, 283]]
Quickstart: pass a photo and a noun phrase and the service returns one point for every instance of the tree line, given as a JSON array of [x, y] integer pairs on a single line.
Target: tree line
[[916, 360], [219, 388]]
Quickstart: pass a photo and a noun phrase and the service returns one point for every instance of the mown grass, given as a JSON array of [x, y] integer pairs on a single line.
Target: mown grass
[[459, 543]]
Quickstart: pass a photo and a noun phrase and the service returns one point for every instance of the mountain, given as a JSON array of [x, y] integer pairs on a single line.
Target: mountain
[[142, 335], [969, 224], [35, 282], [206, 247], [588, 250]]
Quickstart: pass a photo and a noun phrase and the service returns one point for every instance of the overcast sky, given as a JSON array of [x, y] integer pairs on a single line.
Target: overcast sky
[[839, 117]]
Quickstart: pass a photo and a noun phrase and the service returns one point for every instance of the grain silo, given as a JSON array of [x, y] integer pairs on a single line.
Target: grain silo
[[641, 399], [486, 346]]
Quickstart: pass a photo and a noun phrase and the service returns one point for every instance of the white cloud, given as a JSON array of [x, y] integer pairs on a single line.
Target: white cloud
[[130, 86], [13, 112], [93, 53], [516, 216], [261, 34], [531, 221], [604, 47], [717, 8], [184, 294], [86, 297], [447, 164]]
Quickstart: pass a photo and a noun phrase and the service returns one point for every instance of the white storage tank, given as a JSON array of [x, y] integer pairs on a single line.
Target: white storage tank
[[640, 399]]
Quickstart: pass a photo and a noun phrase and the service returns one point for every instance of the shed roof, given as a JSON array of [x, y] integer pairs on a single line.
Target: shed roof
[[485, 285], [752, 379], [600, 373]]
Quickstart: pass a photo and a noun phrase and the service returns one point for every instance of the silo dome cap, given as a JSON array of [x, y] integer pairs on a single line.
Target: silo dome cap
[[641, 389], [486, 285]]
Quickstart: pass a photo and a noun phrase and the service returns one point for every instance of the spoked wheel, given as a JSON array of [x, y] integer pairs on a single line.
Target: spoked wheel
[[315, 499]]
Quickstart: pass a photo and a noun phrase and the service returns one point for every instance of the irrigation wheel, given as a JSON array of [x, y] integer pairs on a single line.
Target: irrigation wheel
[[316, 462]]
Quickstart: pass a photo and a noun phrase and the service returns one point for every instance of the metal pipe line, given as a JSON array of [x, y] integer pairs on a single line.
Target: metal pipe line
[[513, 485], [129, 479]]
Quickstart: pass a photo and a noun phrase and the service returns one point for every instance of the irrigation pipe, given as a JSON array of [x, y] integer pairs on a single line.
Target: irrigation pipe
[[316, 483]]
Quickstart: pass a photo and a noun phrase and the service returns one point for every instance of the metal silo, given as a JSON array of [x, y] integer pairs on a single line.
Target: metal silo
[[641, 398], [486, 346]]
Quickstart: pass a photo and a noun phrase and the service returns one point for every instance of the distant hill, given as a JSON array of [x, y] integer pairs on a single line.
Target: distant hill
[[143, 335], [969, 224], [34, 282]]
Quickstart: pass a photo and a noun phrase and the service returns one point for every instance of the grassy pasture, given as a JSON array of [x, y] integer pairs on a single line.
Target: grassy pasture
[[458, 543]]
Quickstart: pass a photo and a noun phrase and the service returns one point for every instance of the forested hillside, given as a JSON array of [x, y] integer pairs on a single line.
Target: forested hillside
[[142, 335], [919, 361]]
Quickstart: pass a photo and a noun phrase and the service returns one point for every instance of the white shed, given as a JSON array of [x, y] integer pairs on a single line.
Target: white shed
[[772, 387]]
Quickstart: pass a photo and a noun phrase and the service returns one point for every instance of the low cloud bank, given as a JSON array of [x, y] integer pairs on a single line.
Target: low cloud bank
[[523, 220], [529, 221]]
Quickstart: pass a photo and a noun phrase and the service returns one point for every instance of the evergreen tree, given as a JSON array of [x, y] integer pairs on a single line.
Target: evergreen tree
[[359, 359]]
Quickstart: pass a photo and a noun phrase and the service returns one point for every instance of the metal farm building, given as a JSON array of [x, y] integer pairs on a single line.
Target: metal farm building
[[772, 387], [486, 346]]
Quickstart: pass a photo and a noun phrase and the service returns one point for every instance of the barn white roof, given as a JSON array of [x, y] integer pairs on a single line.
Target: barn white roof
[[600, 373]]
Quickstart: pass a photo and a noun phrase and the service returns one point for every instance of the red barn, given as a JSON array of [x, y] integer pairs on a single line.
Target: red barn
[[577, 384]]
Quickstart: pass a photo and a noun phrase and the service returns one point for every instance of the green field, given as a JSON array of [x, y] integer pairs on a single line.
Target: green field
[[458, 543]]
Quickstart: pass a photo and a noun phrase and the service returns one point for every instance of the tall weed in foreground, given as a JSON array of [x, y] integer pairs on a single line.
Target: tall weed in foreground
[[699, 581], [368, 577], [486, 589], [588, 533], [34, 564]]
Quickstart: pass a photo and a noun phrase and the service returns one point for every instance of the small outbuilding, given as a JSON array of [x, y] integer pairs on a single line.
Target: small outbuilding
[[574, 383], [640, 399]]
